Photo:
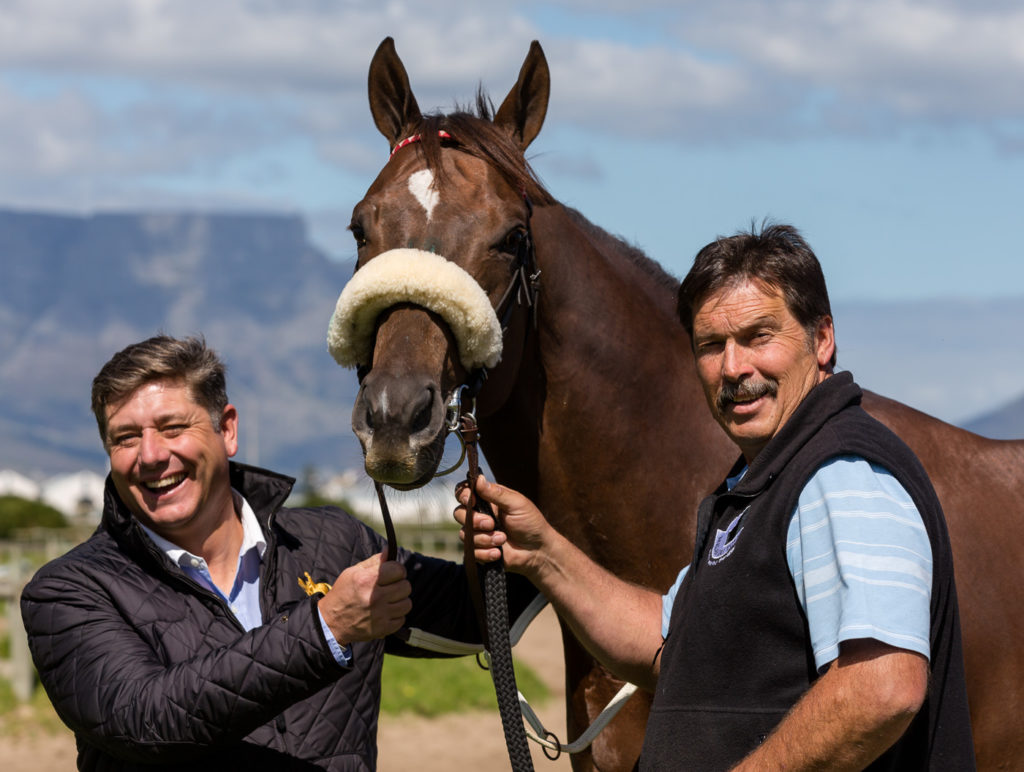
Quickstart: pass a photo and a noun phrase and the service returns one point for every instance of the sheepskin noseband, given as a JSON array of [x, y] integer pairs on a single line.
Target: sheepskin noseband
[[424, 279]]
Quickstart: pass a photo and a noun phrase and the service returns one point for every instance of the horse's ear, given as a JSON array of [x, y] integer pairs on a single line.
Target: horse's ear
[[392, 104], [522, 113]]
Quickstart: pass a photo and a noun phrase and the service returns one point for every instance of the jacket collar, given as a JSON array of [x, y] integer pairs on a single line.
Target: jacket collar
[[265, 491]]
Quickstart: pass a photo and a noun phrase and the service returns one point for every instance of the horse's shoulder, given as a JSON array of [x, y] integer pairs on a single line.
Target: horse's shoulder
[[964, 467]]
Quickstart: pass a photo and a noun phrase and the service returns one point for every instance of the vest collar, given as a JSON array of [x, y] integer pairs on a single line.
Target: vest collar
[[835, 393]]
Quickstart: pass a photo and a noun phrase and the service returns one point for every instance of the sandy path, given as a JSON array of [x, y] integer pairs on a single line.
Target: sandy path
[[474, 741], [469, 740]]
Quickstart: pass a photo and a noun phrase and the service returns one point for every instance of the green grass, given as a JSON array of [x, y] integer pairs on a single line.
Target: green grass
[[432, 687], [28, 719], [425, 687]]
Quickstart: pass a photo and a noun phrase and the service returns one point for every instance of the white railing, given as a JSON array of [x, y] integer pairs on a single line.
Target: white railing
[[18, 561]]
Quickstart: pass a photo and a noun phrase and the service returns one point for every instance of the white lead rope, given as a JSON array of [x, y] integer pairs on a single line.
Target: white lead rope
[[539, 733], [424, 640]]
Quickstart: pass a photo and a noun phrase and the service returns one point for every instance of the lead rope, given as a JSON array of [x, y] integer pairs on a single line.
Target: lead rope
[[402, 633], [494, 608], [389, 527], [491, 607]]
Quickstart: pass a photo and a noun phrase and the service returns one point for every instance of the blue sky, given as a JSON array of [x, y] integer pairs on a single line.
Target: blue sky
[[891, 132]]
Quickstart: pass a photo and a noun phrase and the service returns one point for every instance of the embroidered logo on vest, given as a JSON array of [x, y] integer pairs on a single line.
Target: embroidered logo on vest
[[725, 541]]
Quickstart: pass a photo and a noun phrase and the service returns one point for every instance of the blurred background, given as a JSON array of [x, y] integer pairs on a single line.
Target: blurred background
[[190, 167]]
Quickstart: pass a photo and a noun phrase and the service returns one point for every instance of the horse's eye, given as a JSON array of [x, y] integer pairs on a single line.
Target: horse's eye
[[512, 242], [358, 234]]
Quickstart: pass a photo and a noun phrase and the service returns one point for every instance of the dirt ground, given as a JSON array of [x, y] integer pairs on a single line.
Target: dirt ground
[[468, 740]]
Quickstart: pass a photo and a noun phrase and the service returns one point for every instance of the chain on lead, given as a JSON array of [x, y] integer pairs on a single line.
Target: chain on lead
[[453, 418]]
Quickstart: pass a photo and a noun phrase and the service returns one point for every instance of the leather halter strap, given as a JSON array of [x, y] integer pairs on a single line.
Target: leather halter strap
[[523, 287]]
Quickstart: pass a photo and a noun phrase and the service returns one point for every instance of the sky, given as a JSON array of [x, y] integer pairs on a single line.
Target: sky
[[890, 132]]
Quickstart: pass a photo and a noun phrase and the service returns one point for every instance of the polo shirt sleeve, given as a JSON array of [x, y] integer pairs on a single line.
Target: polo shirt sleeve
[[342, 654], [861, 559], [668, 599]]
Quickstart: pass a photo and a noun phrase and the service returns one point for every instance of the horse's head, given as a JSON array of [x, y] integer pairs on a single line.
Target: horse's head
[[444, 265]]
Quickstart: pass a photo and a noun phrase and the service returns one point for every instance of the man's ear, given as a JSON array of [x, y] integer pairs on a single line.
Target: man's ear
[[825, 342], [229, 429]]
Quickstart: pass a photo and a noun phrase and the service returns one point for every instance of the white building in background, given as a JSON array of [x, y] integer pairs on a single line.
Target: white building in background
[[78, 495], [433, 503], [14, 484]]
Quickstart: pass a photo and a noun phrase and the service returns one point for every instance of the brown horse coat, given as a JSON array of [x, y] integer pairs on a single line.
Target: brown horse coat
[[596, 412]]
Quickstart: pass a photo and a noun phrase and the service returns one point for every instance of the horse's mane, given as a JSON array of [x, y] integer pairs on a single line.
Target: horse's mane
[[475, 133], [634, 254]]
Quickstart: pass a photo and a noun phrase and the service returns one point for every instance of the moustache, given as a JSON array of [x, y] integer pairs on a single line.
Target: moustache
[[745, 391]]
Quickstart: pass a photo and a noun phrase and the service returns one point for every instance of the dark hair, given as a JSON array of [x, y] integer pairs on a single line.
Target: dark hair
[[778, 256], [160, 358]]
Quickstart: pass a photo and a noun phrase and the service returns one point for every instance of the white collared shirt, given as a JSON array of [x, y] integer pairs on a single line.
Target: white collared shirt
[[244, 596]]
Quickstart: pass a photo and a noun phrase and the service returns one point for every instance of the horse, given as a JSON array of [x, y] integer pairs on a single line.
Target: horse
[[594, 410]]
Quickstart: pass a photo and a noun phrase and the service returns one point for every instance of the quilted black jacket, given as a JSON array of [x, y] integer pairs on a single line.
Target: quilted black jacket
[[149, 668]]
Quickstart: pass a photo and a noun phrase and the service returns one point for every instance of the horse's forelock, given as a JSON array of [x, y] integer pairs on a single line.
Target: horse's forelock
[[477, 135]]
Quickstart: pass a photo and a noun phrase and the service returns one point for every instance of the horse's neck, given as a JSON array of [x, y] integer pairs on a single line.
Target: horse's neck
[[606, 403], [608, 327]]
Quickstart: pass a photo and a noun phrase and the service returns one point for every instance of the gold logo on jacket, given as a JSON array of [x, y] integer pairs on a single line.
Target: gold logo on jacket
[[311, 587]]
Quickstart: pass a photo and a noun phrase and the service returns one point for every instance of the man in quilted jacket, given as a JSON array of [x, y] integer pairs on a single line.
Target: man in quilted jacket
[[204, 625]]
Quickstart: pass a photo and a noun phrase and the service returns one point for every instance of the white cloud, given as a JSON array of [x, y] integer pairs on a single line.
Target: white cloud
[[252, 46], [107, 97], [910, 59], [104, 98], [645, 92], [916, 60]]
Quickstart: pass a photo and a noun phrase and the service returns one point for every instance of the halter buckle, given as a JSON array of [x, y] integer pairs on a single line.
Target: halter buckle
[[453, 412], [453, 424]]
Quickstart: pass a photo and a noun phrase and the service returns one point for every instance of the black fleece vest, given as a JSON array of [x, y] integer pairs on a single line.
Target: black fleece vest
[[738, 653]]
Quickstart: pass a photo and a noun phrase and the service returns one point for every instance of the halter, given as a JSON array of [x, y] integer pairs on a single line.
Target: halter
[[415, 138], [525, 283]]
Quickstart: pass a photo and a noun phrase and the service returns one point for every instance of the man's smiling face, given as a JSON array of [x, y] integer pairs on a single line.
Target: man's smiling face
[[755, 361], [169, 461]]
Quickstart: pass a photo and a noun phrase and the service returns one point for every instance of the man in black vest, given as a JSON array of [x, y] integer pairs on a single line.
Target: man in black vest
[[817, 624]]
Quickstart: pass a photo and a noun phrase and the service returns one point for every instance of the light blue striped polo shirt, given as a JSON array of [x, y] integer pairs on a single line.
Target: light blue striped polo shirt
[[860, 559]]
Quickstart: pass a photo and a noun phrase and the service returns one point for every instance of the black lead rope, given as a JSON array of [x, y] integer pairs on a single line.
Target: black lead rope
[[494, 608], [491, 607], [389, 527]]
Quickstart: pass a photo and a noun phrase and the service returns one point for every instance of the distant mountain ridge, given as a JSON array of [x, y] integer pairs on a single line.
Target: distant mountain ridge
[[76, 289], [954, 358], [1006, 423]]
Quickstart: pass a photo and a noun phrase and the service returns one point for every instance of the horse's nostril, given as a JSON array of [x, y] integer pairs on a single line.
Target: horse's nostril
[[422, 419], [369, 420]]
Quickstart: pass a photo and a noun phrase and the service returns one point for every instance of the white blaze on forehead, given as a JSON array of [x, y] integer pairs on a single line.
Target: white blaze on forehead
[[421, 185]]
